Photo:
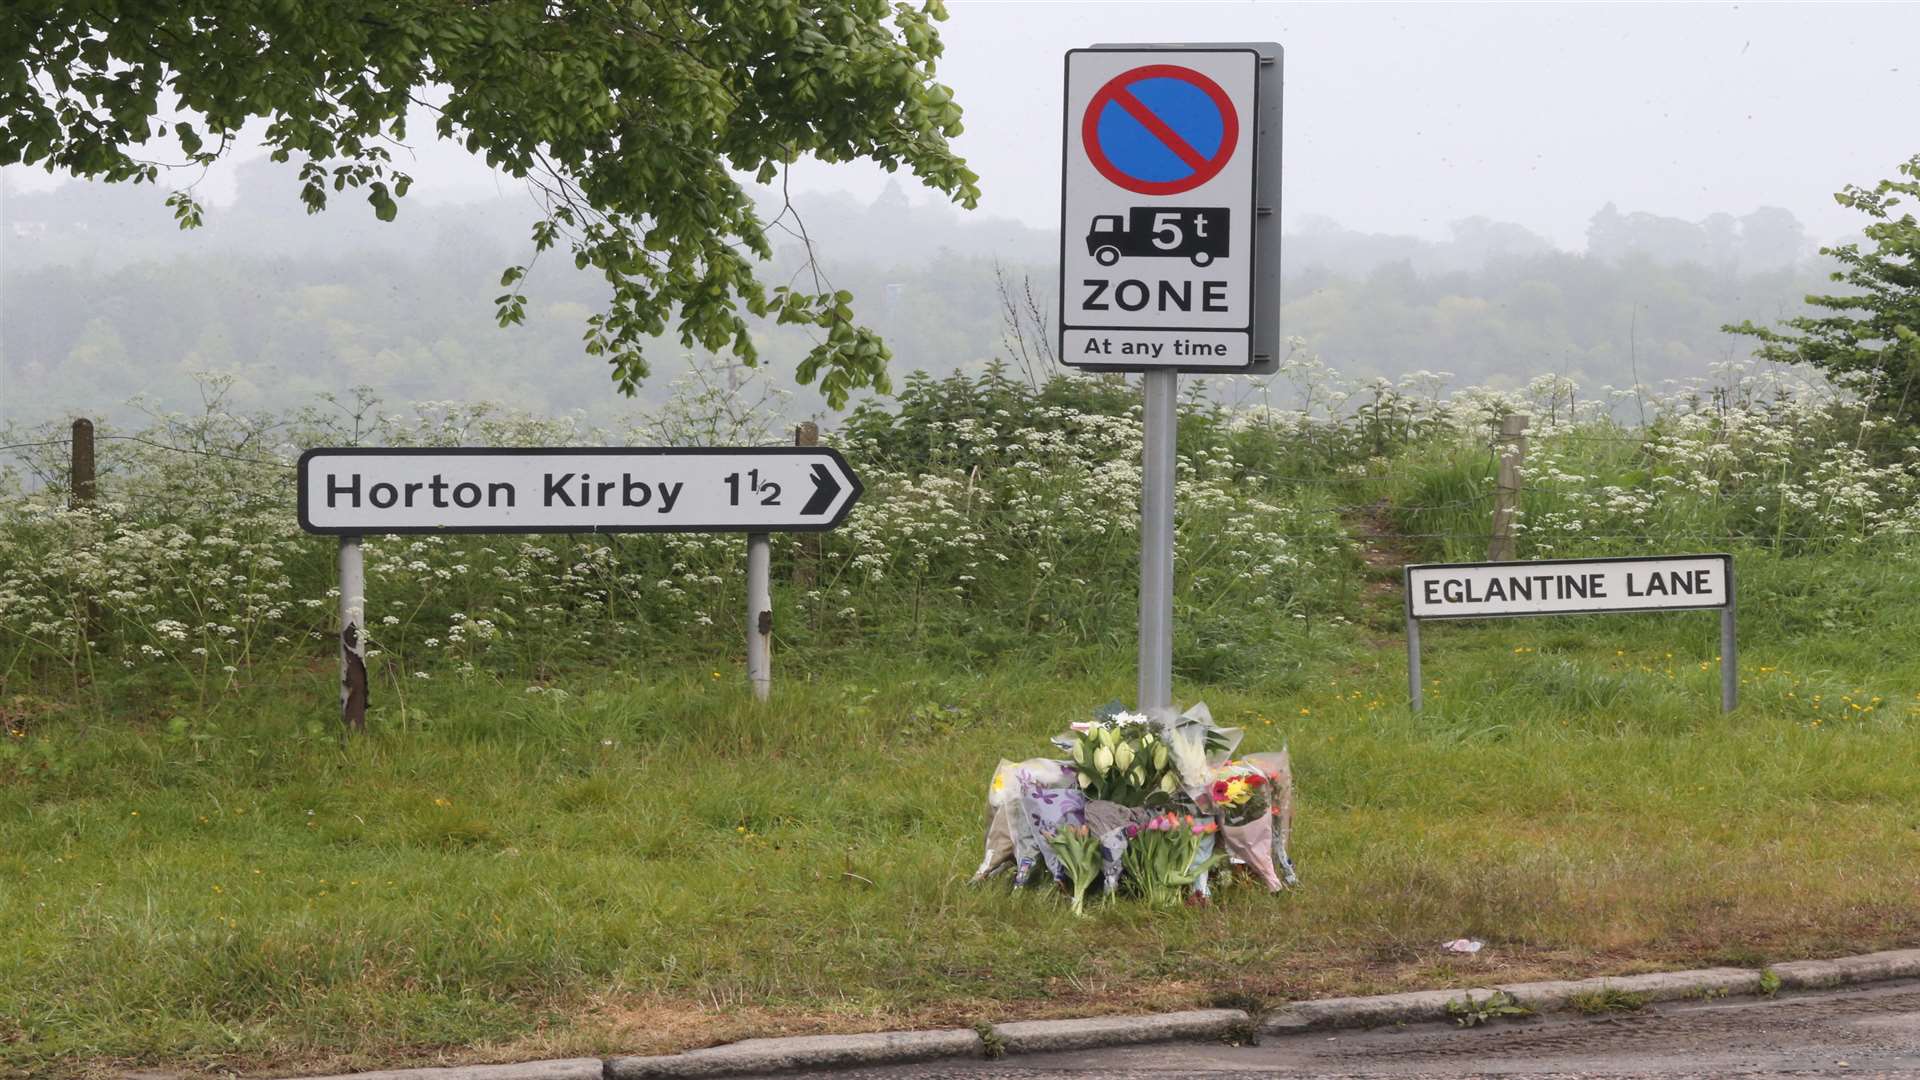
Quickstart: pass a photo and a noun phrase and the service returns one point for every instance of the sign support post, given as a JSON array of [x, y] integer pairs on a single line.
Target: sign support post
[[1161, 389], [1729, 657], [353, 635], [759, 616], [1413, 662], [1491, 590]]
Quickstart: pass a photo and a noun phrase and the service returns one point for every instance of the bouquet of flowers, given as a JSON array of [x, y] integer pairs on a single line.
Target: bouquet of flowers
[[1078, 849], [1004, 812], [1141, 801], [1239, 794], [1168, 855], [1278, 767], [1242, 794], [1123, 760]]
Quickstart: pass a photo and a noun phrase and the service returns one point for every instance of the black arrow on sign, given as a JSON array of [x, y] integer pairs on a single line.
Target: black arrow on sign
[[825, 488]]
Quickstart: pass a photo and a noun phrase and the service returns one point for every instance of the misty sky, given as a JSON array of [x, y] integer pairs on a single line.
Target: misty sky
[[1402, 118]]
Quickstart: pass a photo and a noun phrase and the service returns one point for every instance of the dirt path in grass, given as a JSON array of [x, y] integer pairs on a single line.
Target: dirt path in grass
[[1384, 551]]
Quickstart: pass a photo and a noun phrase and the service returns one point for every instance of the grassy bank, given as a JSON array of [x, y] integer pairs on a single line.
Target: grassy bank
[[647, 861], [570, 831]]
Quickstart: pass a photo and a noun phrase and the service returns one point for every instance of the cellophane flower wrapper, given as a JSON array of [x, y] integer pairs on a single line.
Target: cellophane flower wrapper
[[1252, 844], [1003, 792], [999, 842], [1109, 821], [1046, 772], [1003, 795], [1279, 766], [1202, 855], [1045, 810], [1198, 747], [1241, 794]]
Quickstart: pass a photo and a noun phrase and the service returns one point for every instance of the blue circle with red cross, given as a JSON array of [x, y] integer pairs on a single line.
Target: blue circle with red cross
[[1160, 129]]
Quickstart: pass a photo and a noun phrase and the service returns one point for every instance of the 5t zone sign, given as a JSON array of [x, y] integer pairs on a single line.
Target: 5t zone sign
[[1169, 208]]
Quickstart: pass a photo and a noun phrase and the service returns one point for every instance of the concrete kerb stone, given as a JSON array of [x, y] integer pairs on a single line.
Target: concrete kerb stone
[[801, 1052], [1847, 970], [1042, 1036], [1377, 1011], [563, 1069], [1681, 985], [1426, 1005]]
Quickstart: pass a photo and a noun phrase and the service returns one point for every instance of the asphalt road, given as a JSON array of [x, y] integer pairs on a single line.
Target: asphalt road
[[1860, 1033]]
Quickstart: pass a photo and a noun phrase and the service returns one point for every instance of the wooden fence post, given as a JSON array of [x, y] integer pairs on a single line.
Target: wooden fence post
[[82, 483], [1506, 495], [82, 487]]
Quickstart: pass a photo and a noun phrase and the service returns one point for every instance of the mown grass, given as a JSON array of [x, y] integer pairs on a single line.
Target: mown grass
[[649, 861]]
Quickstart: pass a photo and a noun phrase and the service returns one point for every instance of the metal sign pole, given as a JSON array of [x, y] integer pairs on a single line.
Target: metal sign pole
[[1413, 662], [1156, 543], [353, 635], [759, 617], [1729, 654]]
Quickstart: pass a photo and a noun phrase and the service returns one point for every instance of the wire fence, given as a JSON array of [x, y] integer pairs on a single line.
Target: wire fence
[[48, 443]]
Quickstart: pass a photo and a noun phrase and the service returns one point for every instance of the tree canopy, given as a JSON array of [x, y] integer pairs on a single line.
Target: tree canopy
[[1872, 337], [629, 118]]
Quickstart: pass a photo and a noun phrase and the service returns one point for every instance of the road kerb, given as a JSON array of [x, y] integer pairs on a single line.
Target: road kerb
[[762, 1056], [801, 1052], [1043, 1036], [1423, 1006], [1409, 1008], [1848, 970], [559, 1069]]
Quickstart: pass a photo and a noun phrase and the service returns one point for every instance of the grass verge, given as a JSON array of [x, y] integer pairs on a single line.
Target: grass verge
[[632, 862]]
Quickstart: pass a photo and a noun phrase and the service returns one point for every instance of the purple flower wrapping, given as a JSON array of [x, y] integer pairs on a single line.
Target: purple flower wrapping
[[1045, 810]]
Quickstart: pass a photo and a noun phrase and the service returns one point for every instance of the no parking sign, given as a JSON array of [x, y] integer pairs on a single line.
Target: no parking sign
[[1160, 129], [1170, 208]]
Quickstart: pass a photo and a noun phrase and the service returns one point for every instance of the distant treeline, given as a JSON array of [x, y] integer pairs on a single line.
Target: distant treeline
[[101, 298]]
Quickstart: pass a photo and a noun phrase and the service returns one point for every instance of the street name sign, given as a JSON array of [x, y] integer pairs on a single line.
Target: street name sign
[[355, 491], [1573, 587], [1568, 586], [1169, 208]]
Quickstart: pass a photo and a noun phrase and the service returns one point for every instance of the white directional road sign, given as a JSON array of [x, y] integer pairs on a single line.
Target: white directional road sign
[[1569, 586], [354, 491], [1160, 217]]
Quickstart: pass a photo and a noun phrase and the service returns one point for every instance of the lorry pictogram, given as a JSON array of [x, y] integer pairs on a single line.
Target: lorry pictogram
[[1198, 233]]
